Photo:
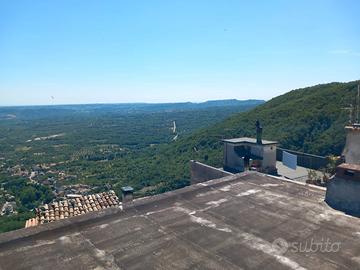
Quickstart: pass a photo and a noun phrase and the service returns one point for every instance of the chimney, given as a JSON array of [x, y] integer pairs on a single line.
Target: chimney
[[258, 132], [352, 146], [127, 195]]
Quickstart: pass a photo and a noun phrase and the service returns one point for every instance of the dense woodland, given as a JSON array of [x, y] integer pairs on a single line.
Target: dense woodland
[[309, 120], [103, 146], [106, 147]]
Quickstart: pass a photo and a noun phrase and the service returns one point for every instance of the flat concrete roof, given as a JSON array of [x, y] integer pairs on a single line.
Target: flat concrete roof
[[227, 223], [301, 174], [247, 140]]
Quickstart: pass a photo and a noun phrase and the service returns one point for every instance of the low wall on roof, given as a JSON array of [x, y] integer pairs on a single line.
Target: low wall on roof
[[304, 160], [201, 172]]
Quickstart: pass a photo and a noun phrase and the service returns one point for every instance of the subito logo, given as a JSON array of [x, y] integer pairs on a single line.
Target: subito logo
[[280, 245]]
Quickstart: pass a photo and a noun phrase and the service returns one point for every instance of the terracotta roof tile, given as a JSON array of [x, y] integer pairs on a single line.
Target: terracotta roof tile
[[73, 207]]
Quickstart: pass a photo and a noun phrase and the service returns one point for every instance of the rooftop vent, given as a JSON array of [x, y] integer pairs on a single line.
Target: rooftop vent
[[127, 194]]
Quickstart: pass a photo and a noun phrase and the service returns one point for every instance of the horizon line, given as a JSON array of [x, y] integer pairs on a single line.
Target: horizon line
[[128, 103]]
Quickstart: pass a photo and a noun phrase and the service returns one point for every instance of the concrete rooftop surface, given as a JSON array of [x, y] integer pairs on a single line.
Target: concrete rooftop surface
[[227, 223], [247, 140], [300, 174]]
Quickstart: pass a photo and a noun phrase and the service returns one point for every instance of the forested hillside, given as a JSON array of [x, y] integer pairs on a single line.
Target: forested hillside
[[47, 152], [311, 120], [109, 147]]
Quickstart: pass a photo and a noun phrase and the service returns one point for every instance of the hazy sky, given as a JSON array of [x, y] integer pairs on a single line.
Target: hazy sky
[[56, 52]]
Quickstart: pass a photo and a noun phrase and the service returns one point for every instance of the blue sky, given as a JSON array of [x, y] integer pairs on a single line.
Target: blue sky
[[62, 52]]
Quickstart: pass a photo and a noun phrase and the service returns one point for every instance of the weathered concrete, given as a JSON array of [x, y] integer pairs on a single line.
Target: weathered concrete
[[232, 161], [343, 189], [227, 223], [266, 151], [352, 148], [201, 172], [343, 195]]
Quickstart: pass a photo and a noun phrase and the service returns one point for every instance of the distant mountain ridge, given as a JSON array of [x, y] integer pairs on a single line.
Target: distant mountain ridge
[[51, 110], [230, 102]]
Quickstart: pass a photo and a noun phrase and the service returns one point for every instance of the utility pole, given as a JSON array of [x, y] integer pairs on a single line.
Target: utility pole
[[351, 113]]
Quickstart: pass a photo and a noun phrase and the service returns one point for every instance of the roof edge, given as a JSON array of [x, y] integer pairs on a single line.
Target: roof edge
[[77, 221], [92, 217]]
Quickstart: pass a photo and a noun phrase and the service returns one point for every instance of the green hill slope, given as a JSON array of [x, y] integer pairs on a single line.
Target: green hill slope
[[311, 120]]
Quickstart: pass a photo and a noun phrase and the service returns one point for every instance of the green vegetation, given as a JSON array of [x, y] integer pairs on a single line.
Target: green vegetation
[[14, 222], [310, 120], [106, 147], [27, 196], [45, 149]]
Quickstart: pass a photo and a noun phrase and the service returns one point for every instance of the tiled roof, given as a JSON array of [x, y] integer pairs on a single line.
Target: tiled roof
[[73, 206]]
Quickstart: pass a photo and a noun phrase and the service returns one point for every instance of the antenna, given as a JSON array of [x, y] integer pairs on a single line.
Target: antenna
[[351, 111], [354, 111]]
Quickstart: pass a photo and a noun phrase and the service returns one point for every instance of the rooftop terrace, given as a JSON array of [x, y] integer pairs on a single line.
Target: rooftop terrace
[[247, 140], [227, 223]]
